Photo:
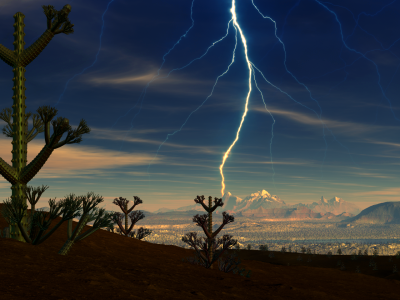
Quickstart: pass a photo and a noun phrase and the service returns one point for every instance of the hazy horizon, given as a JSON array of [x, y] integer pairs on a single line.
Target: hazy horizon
[[326, 124]]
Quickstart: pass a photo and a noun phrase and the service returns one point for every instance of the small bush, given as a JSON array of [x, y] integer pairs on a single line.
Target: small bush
[[329, 254], [375, 252], [359, 252], [248, 247], [303, 249], [283, 250], [366, 252], [308, 250], [339, 251], [290, 249], [263, 248]]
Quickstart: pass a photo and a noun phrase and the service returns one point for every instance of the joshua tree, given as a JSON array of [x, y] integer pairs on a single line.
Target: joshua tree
[[210, 245], [19, 174], [135, 217], [14, 211]]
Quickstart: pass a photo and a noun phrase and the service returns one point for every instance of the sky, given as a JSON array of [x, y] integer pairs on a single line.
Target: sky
[[164, 87]]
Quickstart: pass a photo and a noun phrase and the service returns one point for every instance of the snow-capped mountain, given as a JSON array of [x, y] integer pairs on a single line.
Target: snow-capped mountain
[[335, 205], [264, 205], [253, 201]]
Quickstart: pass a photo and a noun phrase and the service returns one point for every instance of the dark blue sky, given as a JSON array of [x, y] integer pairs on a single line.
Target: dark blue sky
[[326, 124]]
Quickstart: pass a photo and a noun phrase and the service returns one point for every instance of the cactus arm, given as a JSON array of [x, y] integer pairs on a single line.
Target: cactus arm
[[74, 136], [37, 163], [68, 244], [69, 228], [29, 54], [8, 172], [100, 222], [83, 220], [41, 240], [24, 234], [7, 56]]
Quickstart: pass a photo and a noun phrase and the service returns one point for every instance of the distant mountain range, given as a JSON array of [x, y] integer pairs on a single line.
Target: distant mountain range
[[263, 205], [382, 213]]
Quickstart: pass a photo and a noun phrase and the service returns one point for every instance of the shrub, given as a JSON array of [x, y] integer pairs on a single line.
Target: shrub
[[303, 249], [248, 247], [366, 252], [375, 252], [135, 216], [283, 250], [263, 247], [209, 245], [339, 251], [329, 254]]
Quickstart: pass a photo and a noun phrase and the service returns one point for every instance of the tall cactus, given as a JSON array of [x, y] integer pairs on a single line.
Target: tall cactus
[[19, 174]]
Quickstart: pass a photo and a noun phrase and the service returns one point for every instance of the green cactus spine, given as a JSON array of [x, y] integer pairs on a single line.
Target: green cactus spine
[[19, 174]]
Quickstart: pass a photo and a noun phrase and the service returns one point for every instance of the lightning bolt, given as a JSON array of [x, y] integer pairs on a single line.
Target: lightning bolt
[[251, 69], [249, 65], [98, 51]]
